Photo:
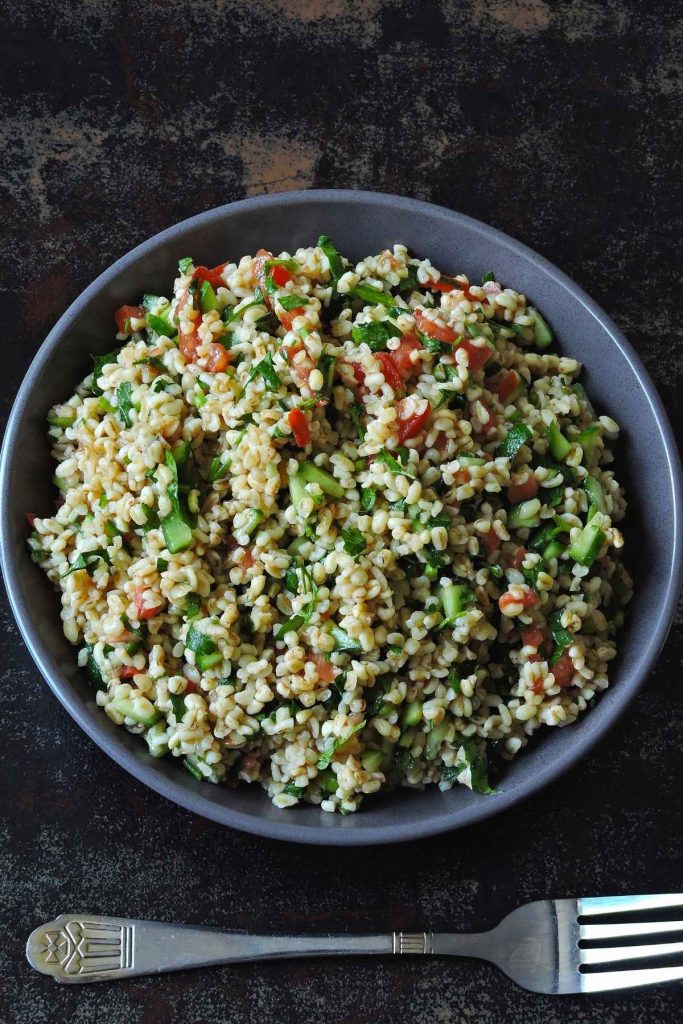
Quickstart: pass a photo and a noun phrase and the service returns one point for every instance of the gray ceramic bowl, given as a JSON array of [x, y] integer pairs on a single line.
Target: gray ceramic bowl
[[360, 223]]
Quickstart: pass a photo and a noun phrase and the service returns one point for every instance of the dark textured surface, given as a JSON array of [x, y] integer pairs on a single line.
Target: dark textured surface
[[558, 123]]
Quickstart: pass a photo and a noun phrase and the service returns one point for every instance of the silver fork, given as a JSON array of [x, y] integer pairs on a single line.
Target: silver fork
[[537, 945]]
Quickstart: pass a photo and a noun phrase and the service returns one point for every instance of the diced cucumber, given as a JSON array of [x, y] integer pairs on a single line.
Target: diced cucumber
[[312, 474], [543, 335], [206, 661], [595, 495], [559, 445], [435, 738], [139, 709], [207, 298], [589, 439], [553, 550], [525, 515], [412, 714], [587, 545], [256, 516], [372, 760], [180, 452], [297, 490], [177, 534], [63, 421], [455, 598], [157, 739], [328, 780], [191, 763], [161, 325], [471, 460]]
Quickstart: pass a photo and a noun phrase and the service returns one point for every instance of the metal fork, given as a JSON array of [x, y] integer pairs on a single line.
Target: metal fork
[[539, 946]]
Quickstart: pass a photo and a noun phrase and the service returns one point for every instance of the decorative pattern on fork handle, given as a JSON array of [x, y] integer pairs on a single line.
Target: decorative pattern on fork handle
[[412, 942]]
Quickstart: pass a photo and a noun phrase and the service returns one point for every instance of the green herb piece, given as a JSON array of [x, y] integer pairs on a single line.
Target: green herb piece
[[375, 334], [266, 370], [184, 265], [291, 789], [356, 413], [433, 344], [290, 302], [396, 468], [93, 669], [368, 497], [218, 468], [193, 606], [124, 402], [475, 760], [515, 438], [336, 744], [98, 365], [454, 680], [488, 276], [162, 565], [342, 640], [409, 283], [178, 705], [404, 761], [333, 257], [88, 560], [354, 541]]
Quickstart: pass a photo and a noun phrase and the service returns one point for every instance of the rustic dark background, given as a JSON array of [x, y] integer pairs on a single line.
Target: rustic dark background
[[557, 122]]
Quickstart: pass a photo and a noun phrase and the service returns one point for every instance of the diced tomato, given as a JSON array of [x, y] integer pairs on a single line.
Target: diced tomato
[[537, 685], [280, 275], [532, 637], [214, 275], [188, 340], [217, 359], [128, 671], [401, 356], [142, 611], [359, 374], [188, 343], [292, 350], [191, 687], [125, 313], [491, 541], [247, 559], [286, 317], [477, 355], [300, 427], [391, 374], [519, 556], [433, 329], [30, 517], [523, 491], [441, 286], [326, 670], [504, 386], [527, 600], [563, 670], [411, 423], [441, 442]]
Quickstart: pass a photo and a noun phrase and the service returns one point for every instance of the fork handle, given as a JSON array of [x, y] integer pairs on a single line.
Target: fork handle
[[82, 948]]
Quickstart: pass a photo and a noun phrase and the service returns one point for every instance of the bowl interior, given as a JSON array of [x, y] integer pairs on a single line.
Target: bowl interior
[[360, 223]]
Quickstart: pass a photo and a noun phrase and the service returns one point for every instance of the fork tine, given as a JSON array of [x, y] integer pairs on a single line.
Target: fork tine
[[621, 931], [609, 980], [610, 954], [628, 904]]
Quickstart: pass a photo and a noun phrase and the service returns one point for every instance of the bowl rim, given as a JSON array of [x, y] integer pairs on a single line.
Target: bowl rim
[[361, 833]]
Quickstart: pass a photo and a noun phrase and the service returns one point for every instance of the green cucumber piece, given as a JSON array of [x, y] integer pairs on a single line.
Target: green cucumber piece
[[139, 709]]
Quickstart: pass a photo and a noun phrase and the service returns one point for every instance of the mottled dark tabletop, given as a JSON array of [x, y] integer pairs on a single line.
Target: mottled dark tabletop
[[559, 123]]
